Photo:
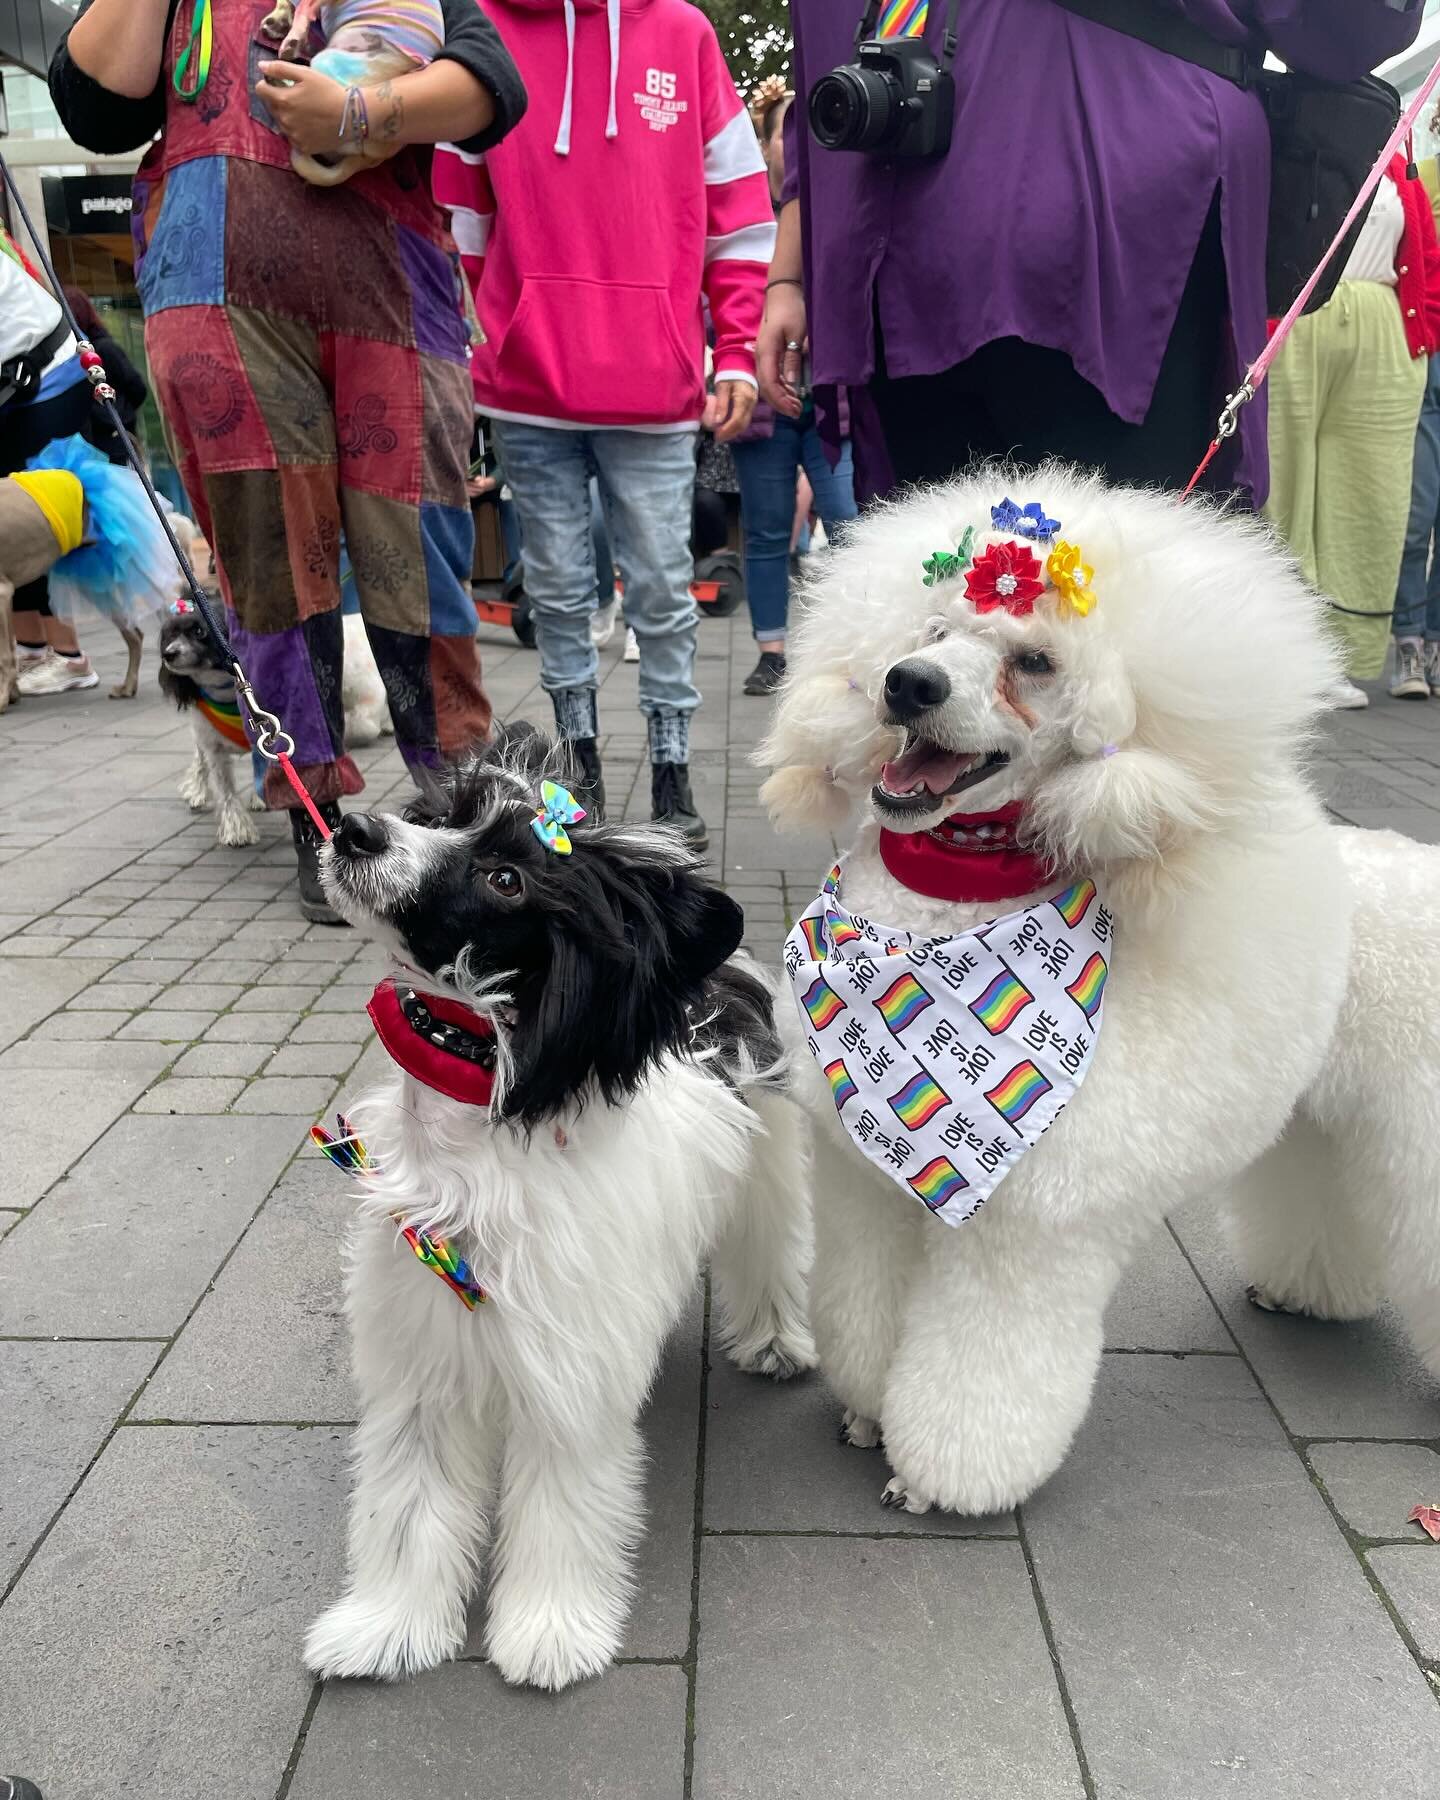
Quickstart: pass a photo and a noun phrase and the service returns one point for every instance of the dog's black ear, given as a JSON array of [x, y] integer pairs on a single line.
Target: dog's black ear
[[706, 929], [178, 688]]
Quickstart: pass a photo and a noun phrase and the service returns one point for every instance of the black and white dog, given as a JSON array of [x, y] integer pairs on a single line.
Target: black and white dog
[[200, 684], [587, 1102]]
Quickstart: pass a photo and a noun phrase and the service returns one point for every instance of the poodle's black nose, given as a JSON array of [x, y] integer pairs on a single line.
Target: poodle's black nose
[[914, 686], [361, 834]]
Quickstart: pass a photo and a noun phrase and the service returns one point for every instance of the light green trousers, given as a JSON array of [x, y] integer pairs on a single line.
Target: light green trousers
[[1345, 397]]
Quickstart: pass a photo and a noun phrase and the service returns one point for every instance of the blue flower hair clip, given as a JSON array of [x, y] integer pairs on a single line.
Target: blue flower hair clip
[[1026, 521]]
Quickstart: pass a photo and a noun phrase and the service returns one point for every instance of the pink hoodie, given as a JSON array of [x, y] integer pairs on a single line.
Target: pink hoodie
[[633, 184]]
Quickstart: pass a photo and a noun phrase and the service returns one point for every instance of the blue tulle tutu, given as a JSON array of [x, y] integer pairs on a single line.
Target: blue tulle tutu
[[125, 567]]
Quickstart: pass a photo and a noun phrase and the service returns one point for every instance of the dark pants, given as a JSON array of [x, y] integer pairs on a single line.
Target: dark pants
[[24, 432], [1022, 401]]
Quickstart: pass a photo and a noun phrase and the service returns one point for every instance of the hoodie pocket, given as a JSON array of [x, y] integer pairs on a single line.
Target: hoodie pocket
[[592, 352]]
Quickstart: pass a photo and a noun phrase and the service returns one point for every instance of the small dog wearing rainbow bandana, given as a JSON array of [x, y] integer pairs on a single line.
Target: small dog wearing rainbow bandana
[[191, 676], [366, 42]]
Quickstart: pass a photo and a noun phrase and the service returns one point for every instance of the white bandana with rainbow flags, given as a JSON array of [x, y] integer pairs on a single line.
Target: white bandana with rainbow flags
[[949, 1057]]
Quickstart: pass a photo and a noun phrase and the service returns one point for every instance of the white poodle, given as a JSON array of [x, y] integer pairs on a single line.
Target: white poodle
[[1136, 716]]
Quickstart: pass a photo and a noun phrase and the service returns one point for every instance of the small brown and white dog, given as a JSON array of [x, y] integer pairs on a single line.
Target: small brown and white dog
[[201, 685], [367, 42]]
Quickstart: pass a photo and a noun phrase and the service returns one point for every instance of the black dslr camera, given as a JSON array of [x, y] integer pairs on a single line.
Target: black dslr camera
[[896, 99]]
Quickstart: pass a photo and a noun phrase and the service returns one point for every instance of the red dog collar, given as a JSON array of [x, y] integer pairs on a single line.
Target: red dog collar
[[954, 860], [440, 1042]]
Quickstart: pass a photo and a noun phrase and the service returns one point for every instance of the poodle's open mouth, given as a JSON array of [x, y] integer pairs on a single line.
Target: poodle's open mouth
[[925, 775]]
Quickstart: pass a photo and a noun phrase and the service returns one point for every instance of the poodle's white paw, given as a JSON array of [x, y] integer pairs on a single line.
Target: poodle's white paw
[[549, 1645], [786, 1351], [856, 1429], [253, 802], [899, 1493], [385, 1640], [1262, 1299], [194, 793], [237, 828]]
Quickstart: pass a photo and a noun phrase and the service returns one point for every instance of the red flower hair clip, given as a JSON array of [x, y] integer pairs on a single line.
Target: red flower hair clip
[[1007, 575]]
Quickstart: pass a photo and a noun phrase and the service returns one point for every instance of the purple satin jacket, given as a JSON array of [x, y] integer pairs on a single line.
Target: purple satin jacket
[[1069, 207]]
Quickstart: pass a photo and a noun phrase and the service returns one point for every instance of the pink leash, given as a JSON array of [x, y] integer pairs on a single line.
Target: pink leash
[[1256, 373]]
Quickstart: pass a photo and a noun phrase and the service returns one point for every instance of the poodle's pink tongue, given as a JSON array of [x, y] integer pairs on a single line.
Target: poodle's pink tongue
[[925, 765]]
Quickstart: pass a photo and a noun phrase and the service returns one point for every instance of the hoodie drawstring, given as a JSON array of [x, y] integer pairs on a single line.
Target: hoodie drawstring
[[612, 9], [562, 136], [567, 108]]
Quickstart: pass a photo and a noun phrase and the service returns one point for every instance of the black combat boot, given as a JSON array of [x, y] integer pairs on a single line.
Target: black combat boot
[[672, 803], [313, 904]]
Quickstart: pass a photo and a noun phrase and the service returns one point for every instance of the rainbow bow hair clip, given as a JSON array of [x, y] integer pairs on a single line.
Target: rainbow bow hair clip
[[348, 1153], [558, 808]]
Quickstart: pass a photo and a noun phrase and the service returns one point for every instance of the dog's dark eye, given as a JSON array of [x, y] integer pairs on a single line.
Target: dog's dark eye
[[1034, 662], [507, 882]]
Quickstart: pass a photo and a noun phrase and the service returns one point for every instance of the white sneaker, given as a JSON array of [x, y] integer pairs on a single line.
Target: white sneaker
[[1346, 697], [29, 659], [1432, 664], [1409, 682], [58, 675], [632, 648], [602, 624]]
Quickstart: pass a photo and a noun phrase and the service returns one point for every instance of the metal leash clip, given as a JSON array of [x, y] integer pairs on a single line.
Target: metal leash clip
[[1230, 413], [271, 741]]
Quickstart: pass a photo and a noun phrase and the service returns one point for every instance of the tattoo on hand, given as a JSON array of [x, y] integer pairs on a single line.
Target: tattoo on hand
[[391, 129]]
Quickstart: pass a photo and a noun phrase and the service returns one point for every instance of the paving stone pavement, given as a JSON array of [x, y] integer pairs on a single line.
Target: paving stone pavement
[[1218, 1595]]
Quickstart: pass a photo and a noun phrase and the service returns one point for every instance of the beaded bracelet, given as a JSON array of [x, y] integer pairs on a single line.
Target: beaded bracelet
[[355, 118]]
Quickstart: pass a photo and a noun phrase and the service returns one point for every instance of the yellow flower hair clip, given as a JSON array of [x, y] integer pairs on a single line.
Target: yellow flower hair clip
[[1072, 578]]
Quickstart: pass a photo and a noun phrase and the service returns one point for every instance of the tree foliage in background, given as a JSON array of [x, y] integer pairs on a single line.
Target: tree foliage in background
[[755, 36]]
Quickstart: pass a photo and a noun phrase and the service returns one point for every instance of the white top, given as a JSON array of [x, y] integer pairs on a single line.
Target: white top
[[1377, 249], [28, 314]]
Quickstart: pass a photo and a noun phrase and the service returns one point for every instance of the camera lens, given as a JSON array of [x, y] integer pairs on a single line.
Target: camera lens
[[854, 109]]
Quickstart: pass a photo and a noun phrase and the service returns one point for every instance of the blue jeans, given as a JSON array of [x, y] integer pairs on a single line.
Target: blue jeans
[[767, 468], [1417, 596], [647, 485], [604, 558]]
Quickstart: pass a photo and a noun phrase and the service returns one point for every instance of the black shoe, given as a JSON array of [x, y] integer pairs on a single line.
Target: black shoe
[[590, 782], [16, 1787], [313, 904], [767, 674], [672, 804]]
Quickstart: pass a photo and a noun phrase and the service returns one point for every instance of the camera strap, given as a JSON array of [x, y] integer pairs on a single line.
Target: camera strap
[[865, 32]]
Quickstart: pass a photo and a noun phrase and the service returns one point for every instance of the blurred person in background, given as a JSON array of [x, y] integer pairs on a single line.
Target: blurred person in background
[[1416, 623]]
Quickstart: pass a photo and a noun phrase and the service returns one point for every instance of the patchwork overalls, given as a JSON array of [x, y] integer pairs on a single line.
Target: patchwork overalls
[[309, 354]]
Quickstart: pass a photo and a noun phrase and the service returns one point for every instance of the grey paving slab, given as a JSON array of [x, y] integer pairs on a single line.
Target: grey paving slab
[[222, 1059], [9, 1219], [856, 1668], [1328, 1380], [51, 1117], [191, 1095], [157, 1203], [269, 1340], [774, 1462], [57, 1402], [152, 1646], [34, 989], [1209, 1616], [622, 1738], [1374, 1486], [299, 1096], [1160, 1305], [110, 1058], [42, 878], [1412, 1581]]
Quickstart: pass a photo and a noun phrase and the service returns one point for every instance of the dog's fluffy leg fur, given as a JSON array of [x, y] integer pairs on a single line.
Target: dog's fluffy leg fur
[[233, 826], [997, 1357], [8, 689], [758, 1267], [867, 1246], [195, 782], [423, 1471], [1300, 1232]]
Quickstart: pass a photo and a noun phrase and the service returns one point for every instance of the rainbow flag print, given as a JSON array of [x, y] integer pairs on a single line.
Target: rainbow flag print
[[918, 1101], [902, 1003], [938, 1183], [842, 1088], [842, 929], [1013, 1097], [1088, 988], [814, 934], [1002, 1003], [831, 883], [822, 1003], [902, 18], [1074, 902]]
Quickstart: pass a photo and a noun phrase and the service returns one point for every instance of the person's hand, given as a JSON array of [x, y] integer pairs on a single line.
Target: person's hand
[[728, 409], [476, 485], [306, 106], [779, 349]]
